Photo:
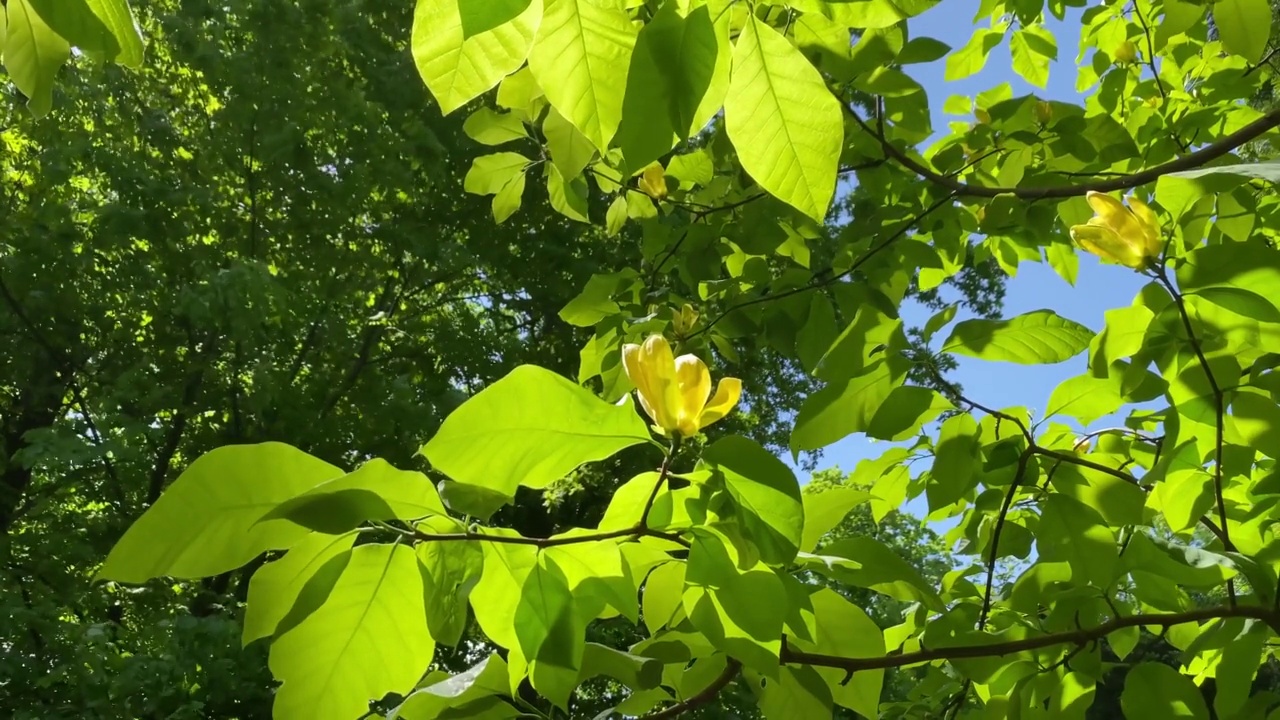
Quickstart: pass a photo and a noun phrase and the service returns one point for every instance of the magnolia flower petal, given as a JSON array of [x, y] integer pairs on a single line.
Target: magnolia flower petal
[[728, 392], [1150, 226], [660, 368], [1116, 216], [633, 366], [695, 385], [1106, 244]]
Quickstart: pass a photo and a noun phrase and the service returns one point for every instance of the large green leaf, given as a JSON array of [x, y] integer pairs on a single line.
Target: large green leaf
[[1033, 48], [1262, 171], [866, 562], [481, 17], [496, 597], [765, 494], [368, 639], [376, 491], [956, 462], [785, 124], [743, 616], [1244, 26], [550, 632], [1034, 338], [825, 510], [1241, 277], [634, 671], [482, 681], [676, 83], [530, 428], [104, 29], [450, 571], [457, 69], [844, 629], [798, 692], [1085, 398], [206, 523], [843, 408], [276, 585], [1154, 690], [580, 59], [33, 53]]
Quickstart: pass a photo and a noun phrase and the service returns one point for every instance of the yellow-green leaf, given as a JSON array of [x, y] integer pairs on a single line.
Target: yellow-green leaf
[[458, 69], [784, 122]]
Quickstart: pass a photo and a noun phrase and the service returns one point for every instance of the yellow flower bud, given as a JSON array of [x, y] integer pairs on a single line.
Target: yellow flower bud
[[1129, 235], [984, 117], [1125, 52], [1044, 112], [685, 320], [653, 181], [676, 391]]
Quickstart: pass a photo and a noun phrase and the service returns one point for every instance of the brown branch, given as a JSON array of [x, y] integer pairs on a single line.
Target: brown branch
[[1190, 161], [996, 649], [1151, 52], [703, 697], [995, 535], [1219, 406], [824, 278]]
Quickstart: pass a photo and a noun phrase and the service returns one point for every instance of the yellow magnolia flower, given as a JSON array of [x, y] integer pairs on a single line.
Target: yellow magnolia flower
[[653, 182], [674, 391], [685, 320], [1129, 235]]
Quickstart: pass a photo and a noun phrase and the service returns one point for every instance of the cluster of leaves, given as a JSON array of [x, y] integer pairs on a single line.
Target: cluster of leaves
[[717, 132], [36, 38]]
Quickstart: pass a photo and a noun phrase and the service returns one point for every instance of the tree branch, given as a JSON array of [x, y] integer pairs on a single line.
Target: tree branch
[[995, 535], [1196, 159], [703, 697], [996, 649]]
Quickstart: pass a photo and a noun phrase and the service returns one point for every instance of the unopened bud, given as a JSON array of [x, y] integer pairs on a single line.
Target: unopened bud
[[1044, 112], [1126, 52], [983, 116]]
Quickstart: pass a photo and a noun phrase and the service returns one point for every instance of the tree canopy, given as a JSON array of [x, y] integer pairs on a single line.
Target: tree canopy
[[460, 360]]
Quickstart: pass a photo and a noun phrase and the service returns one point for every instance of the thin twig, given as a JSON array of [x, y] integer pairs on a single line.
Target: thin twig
[[995, 536], [1151, 52], [1196, 159], [703, 697]]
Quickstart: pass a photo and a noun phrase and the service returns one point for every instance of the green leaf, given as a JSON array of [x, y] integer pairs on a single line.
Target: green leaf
[[550, 633], [955, 463], [568, 197], [1154, 690], [475, 501], [275, 587], [489, 127], [1262, 171], [33, 53], [1241, 277], [597, 576], [1085, 398], [1073, 532], [634, 671], [798, 692], [866, 562], [104, 29], [844, 629], [570, 150], [692, 169], [530, 428], [905, 411], [970, 59], [496, 596], [205, 523], [368, 639], [507, 200], [1033, 48], [490, 173], [595, 302], [817, 333], [874, 14], [450, 570], [922, 50], [376, 491], [765, 493], [742, 617], [457, 69], [1034, 338], [786, 126], [662, 593], [616, 216], [1244, 26], [1256, 417], [1064, 260], [825, 510], [483, 680], [480, 17], [843, 408], [1234, 677], [580, 60]]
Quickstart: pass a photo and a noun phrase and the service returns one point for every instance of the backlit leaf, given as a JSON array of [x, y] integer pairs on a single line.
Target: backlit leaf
[[784, 122], [457, 69], [1034, 338], [765, 493]]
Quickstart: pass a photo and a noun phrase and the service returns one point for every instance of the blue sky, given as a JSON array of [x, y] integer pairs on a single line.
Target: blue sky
[[1098, 287]]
